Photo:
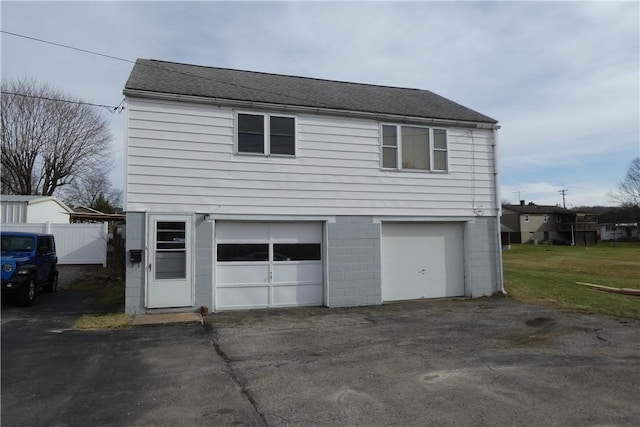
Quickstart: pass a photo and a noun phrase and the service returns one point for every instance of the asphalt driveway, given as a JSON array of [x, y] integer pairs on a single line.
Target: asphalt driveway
[[447, 362]]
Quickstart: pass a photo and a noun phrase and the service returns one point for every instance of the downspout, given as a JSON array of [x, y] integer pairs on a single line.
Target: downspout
[[496, 180]]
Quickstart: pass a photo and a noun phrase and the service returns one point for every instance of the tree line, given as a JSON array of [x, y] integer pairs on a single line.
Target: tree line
[[55, 144]]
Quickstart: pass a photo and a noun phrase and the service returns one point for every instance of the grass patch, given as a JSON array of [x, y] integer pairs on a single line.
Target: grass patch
[[108, 293], [103, 321], [547, 275]]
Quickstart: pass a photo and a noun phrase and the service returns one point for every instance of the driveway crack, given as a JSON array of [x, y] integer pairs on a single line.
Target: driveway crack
[[235, 376]]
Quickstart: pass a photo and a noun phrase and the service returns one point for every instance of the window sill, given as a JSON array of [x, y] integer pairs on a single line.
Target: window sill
[[419, 171], [263, 156]]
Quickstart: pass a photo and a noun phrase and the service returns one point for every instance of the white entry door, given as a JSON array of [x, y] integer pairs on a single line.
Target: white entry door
[[422, 260], [169, 280], [261, 265]]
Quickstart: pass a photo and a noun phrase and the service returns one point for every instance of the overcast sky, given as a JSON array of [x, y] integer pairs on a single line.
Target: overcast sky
[[563, 79]]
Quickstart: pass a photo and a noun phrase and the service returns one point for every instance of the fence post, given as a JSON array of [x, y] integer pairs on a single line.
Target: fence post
[[105, 235]]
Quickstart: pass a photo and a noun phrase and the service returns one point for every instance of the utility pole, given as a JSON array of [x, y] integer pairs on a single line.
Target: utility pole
[[563, 192]]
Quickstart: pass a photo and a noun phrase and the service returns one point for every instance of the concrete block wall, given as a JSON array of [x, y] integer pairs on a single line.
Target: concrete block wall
[[354, 262], [204, 263], [134, 287], [484, 277]]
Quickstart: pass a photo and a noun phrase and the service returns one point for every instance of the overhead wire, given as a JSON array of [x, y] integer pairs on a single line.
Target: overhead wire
[[165, 69], [109, 108]]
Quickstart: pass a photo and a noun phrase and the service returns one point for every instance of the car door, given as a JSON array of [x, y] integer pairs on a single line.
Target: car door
[[44, 253]]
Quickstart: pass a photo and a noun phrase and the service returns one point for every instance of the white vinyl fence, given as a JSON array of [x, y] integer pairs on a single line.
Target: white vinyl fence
[[80, 243]]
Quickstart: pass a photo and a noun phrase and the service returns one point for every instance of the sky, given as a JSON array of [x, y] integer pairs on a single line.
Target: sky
[[562, 78]]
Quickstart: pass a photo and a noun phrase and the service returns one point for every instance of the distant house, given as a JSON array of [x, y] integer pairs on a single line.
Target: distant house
[[532, 223], [254, 190], [115, 222], [34, 209], [86, 214], [619, 224]]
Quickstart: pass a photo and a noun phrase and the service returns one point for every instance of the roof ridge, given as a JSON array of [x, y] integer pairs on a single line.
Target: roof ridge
[[292, 76]]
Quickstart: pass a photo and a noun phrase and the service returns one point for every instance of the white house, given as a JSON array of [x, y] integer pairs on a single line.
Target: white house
[[33, 209], [254, 190]]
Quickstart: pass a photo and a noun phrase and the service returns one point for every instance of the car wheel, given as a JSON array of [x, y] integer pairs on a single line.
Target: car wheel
[[52, 283], [29, 293]]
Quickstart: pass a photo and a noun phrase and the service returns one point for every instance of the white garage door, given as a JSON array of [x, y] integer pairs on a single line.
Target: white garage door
[[261, 265], [422, 260]]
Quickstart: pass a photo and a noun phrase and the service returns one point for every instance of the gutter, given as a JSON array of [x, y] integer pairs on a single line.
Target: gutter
[[302, 109], [496, 178]]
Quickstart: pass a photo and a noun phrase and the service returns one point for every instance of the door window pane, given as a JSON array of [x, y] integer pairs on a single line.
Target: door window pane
[[171, 252], [170, 235], [282, 135], [296, 252], [235, 252], [250, 133], [415, 148], [171, 265]]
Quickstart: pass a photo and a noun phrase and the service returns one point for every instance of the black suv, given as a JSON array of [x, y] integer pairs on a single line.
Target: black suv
[[29, 261]]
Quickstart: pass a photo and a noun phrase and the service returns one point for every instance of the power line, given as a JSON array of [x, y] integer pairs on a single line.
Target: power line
[[67, 46], [164, 69], [109, 108]]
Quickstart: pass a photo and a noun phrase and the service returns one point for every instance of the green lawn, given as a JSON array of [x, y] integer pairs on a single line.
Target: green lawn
[[547, 275]]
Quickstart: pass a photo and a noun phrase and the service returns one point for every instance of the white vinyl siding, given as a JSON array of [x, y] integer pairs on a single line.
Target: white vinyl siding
[[181, 159]]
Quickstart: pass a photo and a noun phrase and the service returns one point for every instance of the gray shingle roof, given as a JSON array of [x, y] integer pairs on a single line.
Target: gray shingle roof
[[183, 79], [538, 209]]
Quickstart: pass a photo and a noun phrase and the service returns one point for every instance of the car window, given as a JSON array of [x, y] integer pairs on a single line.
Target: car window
[[17, 244]]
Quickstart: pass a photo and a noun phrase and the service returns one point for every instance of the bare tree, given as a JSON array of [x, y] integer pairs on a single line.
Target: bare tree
[[94, 191], [628, 190], [48, 139]]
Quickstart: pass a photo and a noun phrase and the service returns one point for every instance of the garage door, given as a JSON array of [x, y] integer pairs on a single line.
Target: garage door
[[422, 260], [261, 265]]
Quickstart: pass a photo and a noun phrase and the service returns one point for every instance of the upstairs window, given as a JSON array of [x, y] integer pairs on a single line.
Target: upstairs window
[[265, 134], [414, 148]]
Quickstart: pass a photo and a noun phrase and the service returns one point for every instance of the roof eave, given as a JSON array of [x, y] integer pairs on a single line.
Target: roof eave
[[139, 93]]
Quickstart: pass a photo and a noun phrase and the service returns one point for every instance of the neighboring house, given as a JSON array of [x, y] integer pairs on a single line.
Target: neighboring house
[[33, 209], [87, 214], [533, 223], [619, 231], [253, 190], [619, 224]]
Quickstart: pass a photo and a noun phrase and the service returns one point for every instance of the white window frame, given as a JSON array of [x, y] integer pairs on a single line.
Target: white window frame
[[266, 117], [545, 218], [398, 147], [526, 217]]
